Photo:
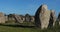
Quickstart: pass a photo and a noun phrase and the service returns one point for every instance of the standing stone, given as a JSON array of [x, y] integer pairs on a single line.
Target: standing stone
[[6, 18], [58, 19], [10, 17], [32, 19], [27, 18], [18, 19], [52, 18], [22, 18], [42, 17], [2, 18]]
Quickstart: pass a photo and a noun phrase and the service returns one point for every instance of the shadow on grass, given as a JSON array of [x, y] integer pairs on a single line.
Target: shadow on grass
[[22, 26]]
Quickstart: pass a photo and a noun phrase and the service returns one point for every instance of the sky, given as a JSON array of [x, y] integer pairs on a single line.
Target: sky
[[27, 6]]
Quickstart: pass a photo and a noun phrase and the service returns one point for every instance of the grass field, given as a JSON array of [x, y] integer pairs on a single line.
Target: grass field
[[17, 28]]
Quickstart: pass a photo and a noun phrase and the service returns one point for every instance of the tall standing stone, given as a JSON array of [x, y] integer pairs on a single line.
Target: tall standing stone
[[2, 18], [42, 17], [58, 18], [52, 18]]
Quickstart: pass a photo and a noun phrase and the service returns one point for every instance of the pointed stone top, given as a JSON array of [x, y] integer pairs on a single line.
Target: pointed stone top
[[59, 15], [1, 13], [44, 6], [52, 10], [59, 12]]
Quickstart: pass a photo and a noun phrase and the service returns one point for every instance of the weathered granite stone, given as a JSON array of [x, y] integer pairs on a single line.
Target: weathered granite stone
[[2, 18], [52, 18], [6, 18], [11, 17], [42, 17], [58, 19], [18, 18], [32, 19], [22, 18]]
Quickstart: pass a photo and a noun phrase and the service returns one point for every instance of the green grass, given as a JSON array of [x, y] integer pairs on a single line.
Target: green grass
[[4, 28], [16, 29], [26, 28]]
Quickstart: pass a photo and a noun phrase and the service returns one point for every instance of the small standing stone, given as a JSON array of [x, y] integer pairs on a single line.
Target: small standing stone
[[2, 18], [52, 18], [59, 18]]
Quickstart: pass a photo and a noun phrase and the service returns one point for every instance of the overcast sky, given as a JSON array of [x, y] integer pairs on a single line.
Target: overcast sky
[[27, 6]]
